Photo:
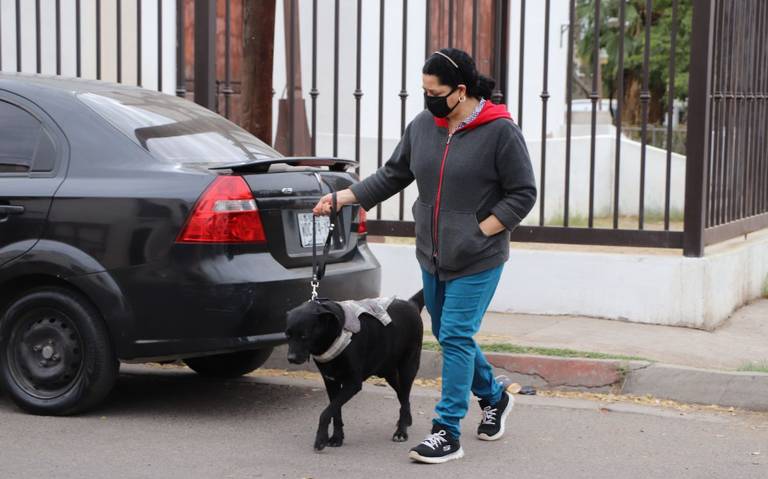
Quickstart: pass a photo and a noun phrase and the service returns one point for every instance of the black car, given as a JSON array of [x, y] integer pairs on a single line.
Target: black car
[[136, 226]]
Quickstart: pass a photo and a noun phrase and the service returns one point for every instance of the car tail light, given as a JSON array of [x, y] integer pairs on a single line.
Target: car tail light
[[225, 213], [362, 227]]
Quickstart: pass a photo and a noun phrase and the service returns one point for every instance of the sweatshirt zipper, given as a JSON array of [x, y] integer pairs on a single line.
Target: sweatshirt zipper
[[436, 218]]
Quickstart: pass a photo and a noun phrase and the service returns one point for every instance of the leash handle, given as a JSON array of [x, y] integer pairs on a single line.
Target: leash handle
[[318, 266]]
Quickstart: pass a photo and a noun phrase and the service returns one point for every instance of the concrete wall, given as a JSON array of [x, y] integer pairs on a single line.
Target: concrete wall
[[533, 65], [666, 289], [605, 174], [369, 77], [629, 176], [88, 40]]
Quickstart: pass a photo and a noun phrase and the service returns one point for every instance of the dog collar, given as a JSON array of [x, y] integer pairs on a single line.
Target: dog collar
[[336, 348]]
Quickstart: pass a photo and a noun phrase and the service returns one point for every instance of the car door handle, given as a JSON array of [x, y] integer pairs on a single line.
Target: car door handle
[[11, 210]]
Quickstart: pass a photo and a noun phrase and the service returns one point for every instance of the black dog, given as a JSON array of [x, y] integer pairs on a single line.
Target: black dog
[[392, 352]]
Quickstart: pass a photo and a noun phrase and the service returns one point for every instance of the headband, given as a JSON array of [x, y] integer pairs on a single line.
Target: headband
[[447, 58]]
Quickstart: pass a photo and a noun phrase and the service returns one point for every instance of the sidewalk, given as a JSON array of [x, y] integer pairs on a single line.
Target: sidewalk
[[681, 364], [742, 340]]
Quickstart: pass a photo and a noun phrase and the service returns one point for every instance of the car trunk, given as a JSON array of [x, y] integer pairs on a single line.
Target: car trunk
[[285, 197]]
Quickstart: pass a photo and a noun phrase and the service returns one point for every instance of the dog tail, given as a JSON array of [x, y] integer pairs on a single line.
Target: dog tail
[[418, 300]]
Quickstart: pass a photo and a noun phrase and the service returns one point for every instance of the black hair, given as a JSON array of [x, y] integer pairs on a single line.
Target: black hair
[[478, 86]]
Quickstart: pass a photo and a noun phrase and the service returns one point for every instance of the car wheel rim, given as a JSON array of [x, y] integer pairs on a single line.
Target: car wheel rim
[[45, 354]]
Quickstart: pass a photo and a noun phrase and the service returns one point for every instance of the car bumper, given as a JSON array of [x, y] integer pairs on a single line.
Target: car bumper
[[226, 304]]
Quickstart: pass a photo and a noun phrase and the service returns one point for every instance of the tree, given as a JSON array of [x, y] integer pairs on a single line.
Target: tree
[[636, 19]]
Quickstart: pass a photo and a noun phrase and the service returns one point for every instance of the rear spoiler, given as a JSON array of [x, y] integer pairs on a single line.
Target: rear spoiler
[[262, 165]]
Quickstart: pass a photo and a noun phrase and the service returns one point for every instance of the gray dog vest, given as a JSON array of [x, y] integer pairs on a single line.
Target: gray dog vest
[[376, 307]]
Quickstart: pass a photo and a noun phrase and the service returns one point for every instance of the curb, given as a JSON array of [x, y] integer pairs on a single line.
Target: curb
[[571, 373], [745, 390]]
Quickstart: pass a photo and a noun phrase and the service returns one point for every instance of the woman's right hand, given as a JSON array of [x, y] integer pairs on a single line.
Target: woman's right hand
[[343, 198]]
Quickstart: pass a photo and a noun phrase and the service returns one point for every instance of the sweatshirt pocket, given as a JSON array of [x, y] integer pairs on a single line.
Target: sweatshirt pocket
[[422, 217], [461, 241]]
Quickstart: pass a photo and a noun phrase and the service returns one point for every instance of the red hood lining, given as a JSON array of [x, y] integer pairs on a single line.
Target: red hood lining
[[489, 113]]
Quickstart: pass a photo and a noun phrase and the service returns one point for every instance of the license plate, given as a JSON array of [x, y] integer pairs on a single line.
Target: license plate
[[322, 225]]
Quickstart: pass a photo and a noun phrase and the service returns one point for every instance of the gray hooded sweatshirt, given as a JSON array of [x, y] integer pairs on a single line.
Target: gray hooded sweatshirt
[[482, 169]]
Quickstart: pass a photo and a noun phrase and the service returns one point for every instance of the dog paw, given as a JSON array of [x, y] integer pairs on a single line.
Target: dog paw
[[335, 441], [400, 436], [320, 443]]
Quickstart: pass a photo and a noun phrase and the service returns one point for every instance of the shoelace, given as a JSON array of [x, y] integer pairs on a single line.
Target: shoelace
[[489, 415], [435, 439]]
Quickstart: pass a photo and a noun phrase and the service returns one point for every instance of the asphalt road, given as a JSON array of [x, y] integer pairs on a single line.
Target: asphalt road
[[168, 423]]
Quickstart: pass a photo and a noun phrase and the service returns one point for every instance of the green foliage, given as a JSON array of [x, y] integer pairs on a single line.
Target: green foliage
[[636, 19], [755, 367]]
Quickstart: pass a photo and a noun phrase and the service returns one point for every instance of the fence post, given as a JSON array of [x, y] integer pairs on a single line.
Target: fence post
[[181, 51], [205, 51], [697, 147]]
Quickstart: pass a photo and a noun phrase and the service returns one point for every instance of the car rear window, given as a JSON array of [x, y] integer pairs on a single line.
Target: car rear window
[[24, 144], [176, 130]]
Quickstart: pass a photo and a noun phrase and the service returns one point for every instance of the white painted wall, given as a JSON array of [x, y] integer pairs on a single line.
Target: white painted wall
[[391, 123], [88, 39], [659, 289], [605, 174], [533, 66]]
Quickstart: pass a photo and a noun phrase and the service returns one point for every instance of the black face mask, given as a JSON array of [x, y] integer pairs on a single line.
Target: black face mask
[[438, 105]]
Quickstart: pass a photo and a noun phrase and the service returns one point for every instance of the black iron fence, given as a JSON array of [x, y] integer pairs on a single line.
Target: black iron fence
[[76, 31], [726, 169], [590, 15], [732, 95]]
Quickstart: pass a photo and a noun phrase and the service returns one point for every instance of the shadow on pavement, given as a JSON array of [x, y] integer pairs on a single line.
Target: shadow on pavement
[[180, 393]]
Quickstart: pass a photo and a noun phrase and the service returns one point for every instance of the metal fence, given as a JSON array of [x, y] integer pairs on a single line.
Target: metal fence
[[726, 170], [730, 122], [726, 178], [618, 234], [38, 6]]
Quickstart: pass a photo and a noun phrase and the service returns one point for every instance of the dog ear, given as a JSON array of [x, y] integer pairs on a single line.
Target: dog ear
[[333, 313]]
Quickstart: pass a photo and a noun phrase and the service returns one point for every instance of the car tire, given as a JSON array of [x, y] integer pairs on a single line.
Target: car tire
[[56, 357], [232, 365]]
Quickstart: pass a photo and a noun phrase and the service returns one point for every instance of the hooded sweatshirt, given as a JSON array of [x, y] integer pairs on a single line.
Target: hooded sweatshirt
[[482, 169]]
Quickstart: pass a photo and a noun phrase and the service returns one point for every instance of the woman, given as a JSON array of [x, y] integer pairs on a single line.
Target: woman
[[475, 185]]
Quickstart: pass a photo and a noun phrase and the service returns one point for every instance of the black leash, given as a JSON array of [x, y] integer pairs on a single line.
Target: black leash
[[318, 266]]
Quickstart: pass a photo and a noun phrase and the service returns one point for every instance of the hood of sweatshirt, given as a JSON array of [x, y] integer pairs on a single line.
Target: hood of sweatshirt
[[489, 113]]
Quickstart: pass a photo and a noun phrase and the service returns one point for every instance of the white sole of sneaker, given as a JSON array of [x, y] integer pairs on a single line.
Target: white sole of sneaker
[[436, 460], [486, 437]]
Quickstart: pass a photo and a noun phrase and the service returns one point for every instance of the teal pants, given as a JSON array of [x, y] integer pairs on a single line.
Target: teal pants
[[457, 308]]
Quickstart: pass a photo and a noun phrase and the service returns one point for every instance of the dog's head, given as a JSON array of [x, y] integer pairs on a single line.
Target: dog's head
[[311, 328]]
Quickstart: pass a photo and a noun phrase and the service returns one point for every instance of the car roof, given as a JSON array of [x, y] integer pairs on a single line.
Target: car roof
[[57, 85]]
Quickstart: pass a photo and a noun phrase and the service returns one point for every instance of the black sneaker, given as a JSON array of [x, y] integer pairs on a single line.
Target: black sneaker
[[438, 447], [491, 426]]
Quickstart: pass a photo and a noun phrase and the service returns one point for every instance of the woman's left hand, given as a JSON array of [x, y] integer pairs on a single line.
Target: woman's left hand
[[491, 226]]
